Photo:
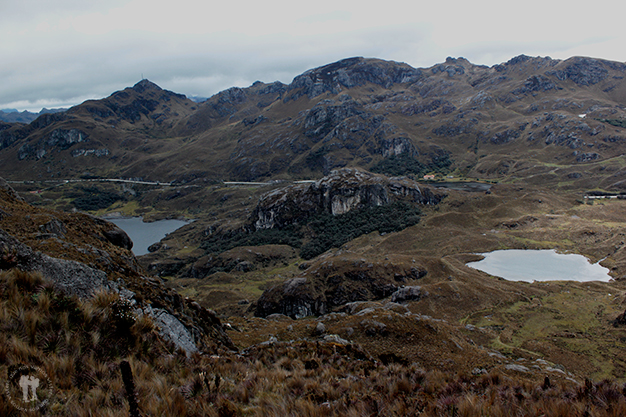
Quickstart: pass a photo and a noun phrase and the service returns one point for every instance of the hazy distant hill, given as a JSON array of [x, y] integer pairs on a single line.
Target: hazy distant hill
[[15, 116], [539, 118]]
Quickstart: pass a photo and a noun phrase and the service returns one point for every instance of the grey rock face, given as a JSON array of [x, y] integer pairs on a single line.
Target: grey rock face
[[536, 83], [398, 146], [586, 157], [321, 119], [518, 368], [341, 191], [71, 277], [374, 328], [172, 329], [65, 138], [291, 299], [59, 138]]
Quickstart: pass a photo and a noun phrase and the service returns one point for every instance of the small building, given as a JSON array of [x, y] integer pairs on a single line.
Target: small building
[[429, 177]]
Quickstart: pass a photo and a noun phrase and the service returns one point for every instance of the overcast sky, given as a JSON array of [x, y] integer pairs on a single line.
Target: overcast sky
[[58, 53]]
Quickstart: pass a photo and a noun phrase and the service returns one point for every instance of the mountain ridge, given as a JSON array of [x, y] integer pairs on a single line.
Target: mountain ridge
[[352, 113]]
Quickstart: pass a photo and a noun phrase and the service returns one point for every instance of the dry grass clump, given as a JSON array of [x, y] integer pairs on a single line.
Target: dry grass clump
[[80, 346]]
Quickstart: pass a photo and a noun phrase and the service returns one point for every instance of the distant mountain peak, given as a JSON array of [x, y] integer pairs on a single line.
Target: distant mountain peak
[[144, 85]]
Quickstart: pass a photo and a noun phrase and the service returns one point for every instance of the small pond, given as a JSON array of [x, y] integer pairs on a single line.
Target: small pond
[[145, 234], [540, 265]]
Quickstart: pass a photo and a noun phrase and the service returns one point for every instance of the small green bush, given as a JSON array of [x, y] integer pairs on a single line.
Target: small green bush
[[403, 165], [333, 231], [219, 243], [93, 198], [325, 230], [615, 122]]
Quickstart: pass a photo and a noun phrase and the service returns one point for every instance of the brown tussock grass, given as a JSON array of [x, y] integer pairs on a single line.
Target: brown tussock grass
[[80, 347]]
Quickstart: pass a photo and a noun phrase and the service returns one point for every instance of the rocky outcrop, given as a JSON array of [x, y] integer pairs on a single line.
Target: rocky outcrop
[[54, 227], [58, 139], [91, 263], [181, 321], [88, 152], [341, 191], [71, 277], [349, 73], [321, 119], [398, 146], [620, 320], [328, 285], [584, 71], [534, 84]]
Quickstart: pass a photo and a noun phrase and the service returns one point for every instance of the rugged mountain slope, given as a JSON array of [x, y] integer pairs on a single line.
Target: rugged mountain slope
[[81, 255], [539, 118]]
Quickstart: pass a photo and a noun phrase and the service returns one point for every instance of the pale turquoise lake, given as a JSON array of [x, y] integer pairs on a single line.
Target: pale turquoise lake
[[145, 234], [540, 265]]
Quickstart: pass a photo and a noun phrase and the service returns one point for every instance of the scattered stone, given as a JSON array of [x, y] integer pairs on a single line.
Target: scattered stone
[[396, 307], [335, 339], [373, 327], [320, 328], [365, 311], [271, 341], [54, 227], [278, 317], [518, 368], [411, 293]]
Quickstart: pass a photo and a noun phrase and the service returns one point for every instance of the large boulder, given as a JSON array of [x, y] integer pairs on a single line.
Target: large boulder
[[118, 237]]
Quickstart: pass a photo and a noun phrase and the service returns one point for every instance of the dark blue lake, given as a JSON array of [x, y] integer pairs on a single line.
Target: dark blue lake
[[145, 234]]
